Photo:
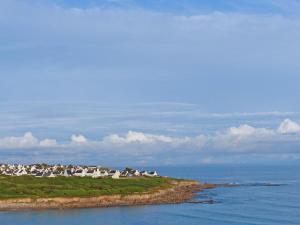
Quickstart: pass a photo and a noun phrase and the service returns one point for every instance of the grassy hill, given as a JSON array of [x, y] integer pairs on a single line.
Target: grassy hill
[[35, 187]]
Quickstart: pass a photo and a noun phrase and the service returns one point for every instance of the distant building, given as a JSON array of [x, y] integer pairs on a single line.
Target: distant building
[[44, 170]]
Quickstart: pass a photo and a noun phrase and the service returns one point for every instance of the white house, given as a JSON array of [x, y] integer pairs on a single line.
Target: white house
[[124, 173], [96, 174], [116, 174], [7, 172], [52, 175], [67, 173], [152, 174], [103, 173], [89, 172], [33, 168], [21, 172], [144, 173], [136, 173], [81, 173]]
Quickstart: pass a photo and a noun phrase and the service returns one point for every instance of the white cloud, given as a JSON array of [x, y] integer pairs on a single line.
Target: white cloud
[[146, 139], [48, 143], [78, 139], [242, 137], [288, 126], [137, 137], [248, 131], [26, 141]]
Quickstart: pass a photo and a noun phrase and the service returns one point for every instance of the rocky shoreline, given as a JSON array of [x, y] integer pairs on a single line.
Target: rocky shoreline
[[181, 191]]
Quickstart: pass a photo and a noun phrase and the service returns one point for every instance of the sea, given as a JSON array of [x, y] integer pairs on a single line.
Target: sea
[[265, 195]]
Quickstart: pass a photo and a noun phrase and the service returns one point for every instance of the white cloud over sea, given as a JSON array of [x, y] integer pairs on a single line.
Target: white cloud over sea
[[240, 138], [235, 144], [25, 141]]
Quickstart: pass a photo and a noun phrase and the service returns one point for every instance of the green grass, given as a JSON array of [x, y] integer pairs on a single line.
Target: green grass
[[34, 187]]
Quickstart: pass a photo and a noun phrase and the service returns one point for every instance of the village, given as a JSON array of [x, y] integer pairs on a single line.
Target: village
[[44, 170]]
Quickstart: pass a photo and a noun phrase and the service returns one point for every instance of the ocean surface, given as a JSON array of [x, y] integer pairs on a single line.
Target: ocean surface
[[255, 202]]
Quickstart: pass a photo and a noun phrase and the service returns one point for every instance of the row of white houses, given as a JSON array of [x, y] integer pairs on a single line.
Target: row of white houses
[[43, 170]]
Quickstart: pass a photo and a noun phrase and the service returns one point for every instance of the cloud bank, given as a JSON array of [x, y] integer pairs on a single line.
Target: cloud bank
[[240, 138], [234, 144], [26, 141]]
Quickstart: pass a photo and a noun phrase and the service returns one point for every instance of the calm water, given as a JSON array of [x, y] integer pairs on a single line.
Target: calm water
[[251, 203]]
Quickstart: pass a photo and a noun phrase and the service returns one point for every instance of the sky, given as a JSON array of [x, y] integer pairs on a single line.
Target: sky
[[150, 82]]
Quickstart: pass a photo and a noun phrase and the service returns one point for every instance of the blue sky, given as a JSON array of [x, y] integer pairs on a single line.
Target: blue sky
[[170, 71], [189, 6]]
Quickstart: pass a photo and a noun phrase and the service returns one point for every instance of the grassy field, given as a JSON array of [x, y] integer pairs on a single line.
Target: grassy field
[[34, 187]]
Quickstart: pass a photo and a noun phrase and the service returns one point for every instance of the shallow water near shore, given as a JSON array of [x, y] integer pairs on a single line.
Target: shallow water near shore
[[268, 195]]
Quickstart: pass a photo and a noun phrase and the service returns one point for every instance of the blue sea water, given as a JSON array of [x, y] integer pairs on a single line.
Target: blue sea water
[[252, 203]]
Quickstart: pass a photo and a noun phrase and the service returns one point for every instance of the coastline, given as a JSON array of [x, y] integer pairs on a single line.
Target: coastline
[[181, 191]]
